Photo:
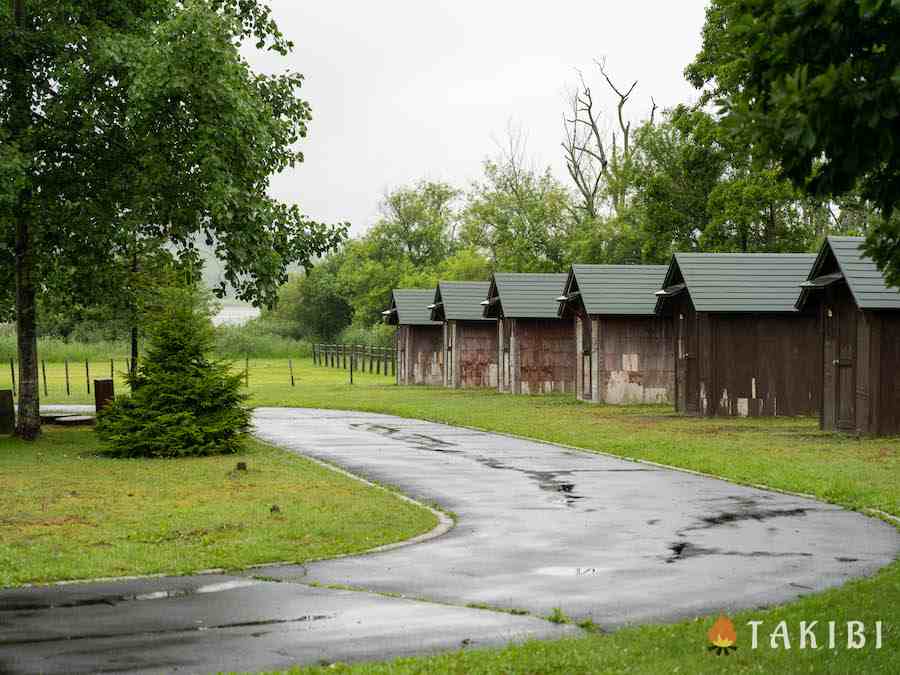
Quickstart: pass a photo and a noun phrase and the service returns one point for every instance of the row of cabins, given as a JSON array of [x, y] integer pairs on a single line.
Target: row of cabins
[[712, 334]]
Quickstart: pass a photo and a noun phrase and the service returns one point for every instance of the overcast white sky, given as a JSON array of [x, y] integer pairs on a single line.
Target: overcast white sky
[[415, 89]]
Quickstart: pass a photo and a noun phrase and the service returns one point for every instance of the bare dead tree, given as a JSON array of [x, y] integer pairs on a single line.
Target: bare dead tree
[[592, 155], [584, 148]]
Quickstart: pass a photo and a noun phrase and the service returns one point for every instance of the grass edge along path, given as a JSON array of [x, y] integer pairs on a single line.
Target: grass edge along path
[[69, 514]]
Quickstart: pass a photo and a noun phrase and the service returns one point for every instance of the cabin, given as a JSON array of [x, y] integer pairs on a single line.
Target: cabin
[[469, 338], [741, 347], [419, 341], [535, 348], [859, 339], [624, 350]]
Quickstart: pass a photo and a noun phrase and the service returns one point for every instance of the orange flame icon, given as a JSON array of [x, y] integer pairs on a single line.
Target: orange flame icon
[[722, 636]]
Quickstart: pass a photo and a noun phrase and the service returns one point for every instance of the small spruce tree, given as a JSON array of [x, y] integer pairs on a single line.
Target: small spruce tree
[[183, 402]]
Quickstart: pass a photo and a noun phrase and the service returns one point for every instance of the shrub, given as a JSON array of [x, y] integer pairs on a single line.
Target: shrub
[[379, 335], [260, 339], [182, 401]]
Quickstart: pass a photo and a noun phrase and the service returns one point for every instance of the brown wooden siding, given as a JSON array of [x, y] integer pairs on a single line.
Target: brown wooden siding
[[420, 355], [746, 364], [471, 354], [860, 365], [540, 357], [636, 364], [888, 366]]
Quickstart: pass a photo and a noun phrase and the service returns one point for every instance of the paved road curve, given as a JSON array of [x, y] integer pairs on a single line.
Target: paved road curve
[[539, 527]]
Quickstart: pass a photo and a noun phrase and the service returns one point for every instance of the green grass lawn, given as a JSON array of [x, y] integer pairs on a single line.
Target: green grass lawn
[[67, 513]]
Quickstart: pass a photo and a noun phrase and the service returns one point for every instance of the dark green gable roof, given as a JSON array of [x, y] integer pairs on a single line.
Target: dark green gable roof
[[409, 307], [460, 301], [525, 296], [841, 257], [624, 290], [740, 282]]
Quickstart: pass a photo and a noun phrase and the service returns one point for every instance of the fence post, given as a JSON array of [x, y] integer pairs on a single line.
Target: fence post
[[87, 375], [104, 393], [246, 371], [44, 371], [393, 362], [12, 372], [352, 358], [7, 412], [291, 369], [68, 390], [371, 355], [378, 362]]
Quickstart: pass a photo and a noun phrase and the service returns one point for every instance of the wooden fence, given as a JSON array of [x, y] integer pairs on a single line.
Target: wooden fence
[[75, 378], [75, 374], [359, 358]]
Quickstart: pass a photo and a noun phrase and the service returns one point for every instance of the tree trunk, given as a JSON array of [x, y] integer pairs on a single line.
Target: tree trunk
[[134, 314], [770, 228], [134, 350], [28, 425], [29, 419]]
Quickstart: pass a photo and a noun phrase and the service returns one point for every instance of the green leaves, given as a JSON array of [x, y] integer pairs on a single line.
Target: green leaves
[[813, 87]]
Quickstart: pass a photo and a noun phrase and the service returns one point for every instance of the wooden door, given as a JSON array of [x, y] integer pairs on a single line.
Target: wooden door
[[587, 359], [687, 394], [842, 315]]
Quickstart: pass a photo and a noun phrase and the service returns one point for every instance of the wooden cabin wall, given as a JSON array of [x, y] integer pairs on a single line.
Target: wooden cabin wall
[[635, 360], [472, 354], [541, 357], [860, 365], [760, 365], [745, 364], [888, 365], [420, 355]]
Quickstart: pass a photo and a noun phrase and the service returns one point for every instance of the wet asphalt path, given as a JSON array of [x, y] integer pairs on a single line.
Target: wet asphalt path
[[539, 527]]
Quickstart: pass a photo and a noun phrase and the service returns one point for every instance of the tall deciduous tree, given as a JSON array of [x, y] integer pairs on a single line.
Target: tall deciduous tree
[[520, 216], [814, 85], [140, 118]]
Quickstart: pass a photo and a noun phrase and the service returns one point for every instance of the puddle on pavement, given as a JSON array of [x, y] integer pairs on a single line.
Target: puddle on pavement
[[416, 440], [682, 550], [548, 481], [227, 586], [584, 571], [268, 622], [113, 600], [759, 515]]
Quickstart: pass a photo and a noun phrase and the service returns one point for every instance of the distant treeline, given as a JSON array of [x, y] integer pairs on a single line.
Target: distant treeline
[[672, 182]]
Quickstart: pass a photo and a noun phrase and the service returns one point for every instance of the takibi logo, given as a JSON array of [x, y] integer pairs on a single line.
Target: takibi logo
[[809, 635], [722, 636]]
